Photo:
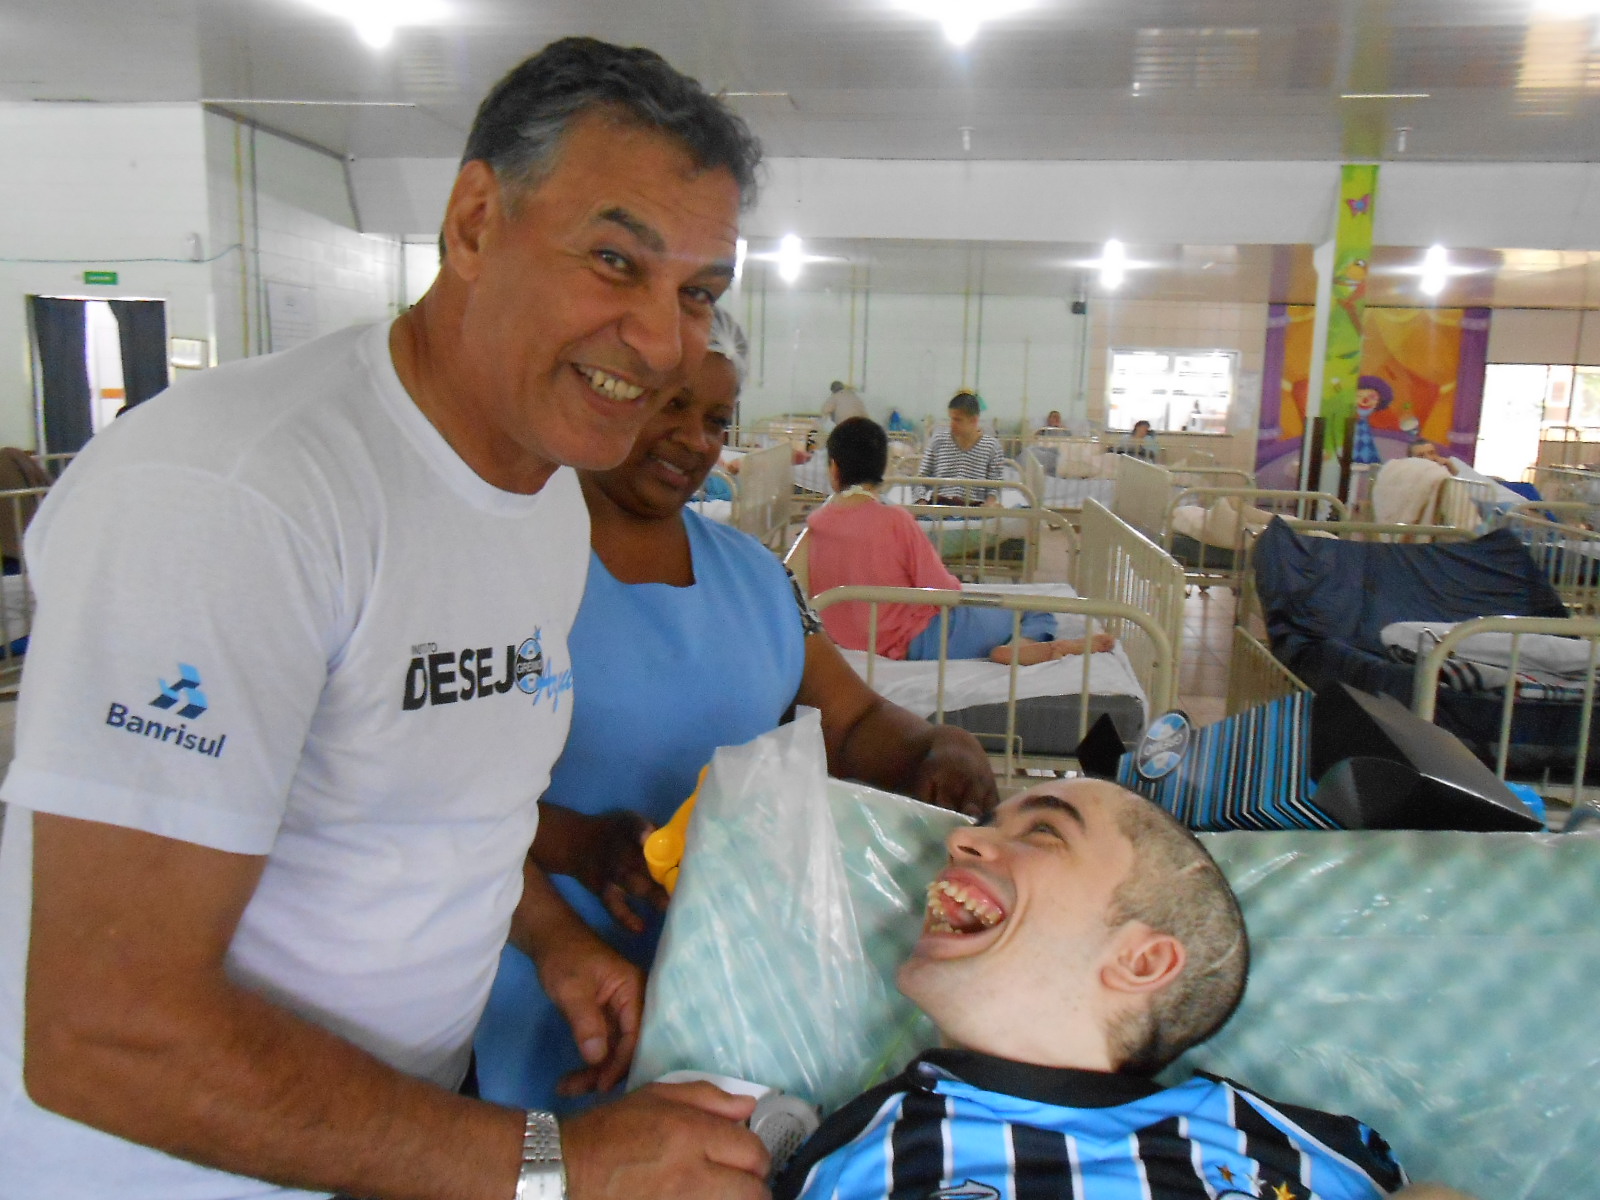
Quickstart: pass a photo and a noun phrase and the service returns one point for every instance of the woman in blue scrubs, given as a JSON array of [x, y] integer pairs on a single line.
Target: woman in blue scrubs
[[691, 636]]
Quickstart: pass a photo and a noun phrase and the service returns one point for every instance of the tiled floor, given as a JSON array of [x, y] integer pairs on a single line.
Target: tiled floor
[[1207, 645]]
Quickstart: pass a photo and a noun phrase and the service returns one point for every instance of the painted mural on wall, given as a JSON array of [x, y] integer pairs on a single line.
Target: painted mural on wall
[[1421, 376]]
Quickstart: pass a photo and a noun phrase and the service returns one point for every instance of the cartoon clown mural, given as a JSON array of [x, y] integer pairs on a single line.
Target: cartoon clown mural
[[1373, 395]]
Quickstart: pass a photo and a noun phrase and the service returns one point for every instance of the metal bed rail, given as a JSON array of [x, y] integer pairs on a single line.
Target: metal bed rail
[[1255, 676], [1212, 568], [763, 495], [17, 506], [1567, 483], [1464, 503], [1569, 555], [1119, 565], [1158, 685], [1425, 691]]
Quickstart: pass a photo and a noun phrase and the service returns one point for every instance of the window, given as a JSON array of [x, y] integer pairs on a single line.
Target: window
[[1524, 403], [1172, 389]]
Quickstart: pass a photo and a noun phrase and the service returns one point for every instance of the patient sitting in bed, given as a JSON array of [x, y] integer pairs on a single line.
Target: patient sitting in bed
[[856, 538], [1078, 942]]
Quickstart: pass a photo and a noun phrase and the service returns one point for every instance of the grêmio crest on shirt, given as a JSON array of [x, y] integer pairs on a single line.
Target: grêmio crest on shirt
[[435, 676]]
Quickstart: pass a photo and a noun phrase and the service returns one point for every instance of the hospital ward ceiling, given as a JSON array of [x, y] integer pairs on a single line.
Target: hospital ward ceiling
[[1270, 80], [1485, 80]]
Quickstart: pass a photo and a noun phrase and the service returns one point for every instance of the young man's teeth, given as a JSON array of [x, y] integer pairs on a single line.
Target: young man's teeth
[[609, 385], [986, 913]]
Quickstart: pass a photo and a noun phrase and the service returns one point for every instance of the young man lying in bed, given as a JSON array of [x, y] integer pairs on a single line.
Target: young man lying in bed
[[1078, 942]]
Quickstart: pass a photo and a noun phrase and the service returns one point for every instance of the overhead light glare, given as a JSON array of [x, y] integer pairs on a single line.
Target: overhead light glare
[[741, 251], [1385, 95], [791, 257], [960, 19], [1435, 270], [375, 21], [1570, 10], [1113, 264]]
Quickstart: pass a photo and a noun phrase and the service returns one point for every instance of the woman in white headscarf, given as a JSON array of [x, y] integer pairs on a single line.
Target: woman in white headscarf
[[691, 636]]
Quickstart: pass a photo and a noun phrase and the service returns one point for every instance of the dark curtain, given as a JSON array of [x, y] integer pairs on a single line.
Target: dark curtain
[[142, 329], [58, 330]]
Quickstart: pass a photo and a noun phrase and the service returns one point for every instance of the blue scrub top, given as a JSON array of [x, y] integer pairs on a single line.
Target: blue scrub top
[[663, 676]]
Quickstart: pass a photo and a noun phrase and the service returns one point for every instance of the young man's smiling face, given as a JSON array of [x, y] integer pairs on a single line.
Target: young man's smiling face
[[1017, 929]]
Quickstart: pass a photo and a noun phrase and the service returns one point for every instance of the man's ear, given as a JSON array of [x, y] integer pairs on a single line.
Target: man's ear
[[475, 201], [1144, 961]]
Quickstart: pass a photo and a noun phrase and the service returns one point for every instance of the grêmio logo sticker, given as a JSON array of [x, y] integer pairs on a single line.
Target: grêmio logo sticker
[[437, 676], [186, 700]]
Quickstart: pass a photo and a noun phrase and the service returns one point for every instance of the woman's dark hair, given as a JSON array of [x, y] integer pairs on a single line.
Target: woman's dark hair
[[860, 449], [523, 120], [965, 402]]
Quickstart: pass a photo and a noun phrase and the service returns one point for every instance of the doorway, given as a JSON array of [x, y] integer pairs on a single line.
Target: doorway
[[92, 360]]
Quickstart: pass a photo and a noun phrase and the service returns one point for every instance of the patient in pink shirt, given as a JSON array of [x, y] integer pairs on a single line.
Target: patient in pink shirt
[[856, 538]]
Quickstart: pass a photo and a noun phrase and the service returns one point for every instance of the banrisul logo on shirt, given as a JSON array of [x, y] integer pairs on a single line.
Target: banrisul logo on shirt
[[435, 676], [181, 701]]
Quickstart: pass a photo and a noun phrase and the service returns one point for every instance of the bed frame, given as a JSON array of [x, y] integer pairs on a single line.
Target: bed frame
[[1569, 555], [1426, 689], [1464, 503], [1127, 587], [985, 541], [17, 507], [763, 495]]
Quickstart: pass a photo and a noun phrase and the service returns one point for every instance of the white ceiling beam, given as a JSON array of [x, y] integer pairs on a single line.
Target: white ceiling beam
[[1525, 206]]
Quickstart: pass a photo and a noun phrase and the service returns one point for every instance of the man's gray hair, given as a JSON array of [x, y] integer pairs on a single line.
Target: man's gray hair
[[523, 120], [1175, 887]]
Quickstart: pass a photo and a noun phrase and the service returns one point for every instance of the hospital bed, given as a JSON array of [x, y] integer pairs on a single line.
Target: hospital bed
[[1034, 717], [1431, 984], [17, 507], [1212, 545], [983, 529], [763, 495], [1327, 605]]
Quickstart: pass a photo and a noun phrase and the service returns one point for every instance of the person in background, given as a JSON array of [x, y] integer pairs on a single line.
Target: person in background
[[843, 403], [855, 538], [298, 676], [1052, 420], [692, 635], [1423, 448], [963, 451], [1077, 943], [1140, 442]]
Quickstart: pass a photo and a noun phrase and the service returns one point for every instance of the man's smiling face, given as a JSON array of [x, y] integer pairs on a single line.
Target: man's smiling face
[[591, 293], [1017, 925]]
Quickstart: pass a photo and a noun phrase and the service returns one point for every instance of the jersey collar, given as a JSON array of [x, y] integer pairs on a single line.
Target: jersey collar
[[1064, 1087]]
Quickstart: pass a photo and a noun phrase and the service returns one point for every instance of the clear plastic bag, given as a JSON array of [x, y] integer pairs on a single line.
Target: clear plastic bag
[[778, 958]]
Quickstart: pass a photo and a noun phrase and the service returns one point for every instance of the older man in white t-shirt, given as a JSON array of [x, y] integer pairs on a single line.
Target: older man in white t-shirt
[[298, 675]]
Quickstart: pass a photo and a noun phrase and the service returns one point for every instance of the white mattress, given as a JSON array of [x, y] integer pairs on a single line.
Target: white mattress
[[967, 682]]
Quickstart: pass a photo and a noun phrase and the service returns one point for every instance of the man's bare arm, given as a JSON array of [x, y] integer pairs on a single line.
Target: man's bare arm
[[133, 1027]]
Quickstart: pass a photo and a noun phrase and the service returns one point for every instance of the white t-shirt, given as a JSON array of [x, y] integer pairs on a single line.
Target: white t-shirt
[[279, 616]]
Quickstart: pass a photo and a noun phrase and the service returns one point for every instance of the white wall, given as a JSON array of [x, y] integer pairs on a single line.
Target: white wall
[[103, 183], [289, 209], [909, 352]]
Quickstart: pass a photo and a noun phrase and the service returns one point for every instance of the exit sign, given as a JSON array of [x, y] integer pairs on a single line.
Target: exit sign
[[106, 277]]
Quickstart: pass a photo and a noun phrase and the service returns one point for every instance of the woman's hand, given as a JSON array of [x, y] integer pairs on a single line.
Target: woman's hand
[[955, 774], [605, 853]]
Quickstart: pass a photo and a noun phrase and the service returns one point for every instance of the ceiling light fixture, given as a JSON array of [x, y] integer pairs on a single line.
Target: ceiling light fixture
[[791, 257], [375, 21], [1435, 270], [1385, 95], [960, 19], [1113, 265]]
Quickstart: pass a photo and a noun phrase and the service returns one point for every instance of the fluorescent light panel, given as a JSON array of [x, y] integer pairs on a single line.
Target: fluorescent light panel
[[375, 21], [960, 19]]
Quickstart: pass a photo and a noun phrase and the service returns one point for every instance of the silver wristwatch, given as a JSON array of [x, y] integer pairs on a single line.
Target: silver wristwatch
[[542, 1176]]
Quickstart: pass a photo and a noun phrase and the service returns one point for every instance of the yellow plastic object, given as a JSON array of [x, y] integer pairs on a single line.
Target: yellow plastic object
[[663, 849]]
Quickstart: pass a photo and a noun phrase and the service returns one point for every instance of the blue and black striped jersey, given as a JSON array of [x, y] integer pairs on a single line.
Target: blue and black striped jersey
[[956, 1125]]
